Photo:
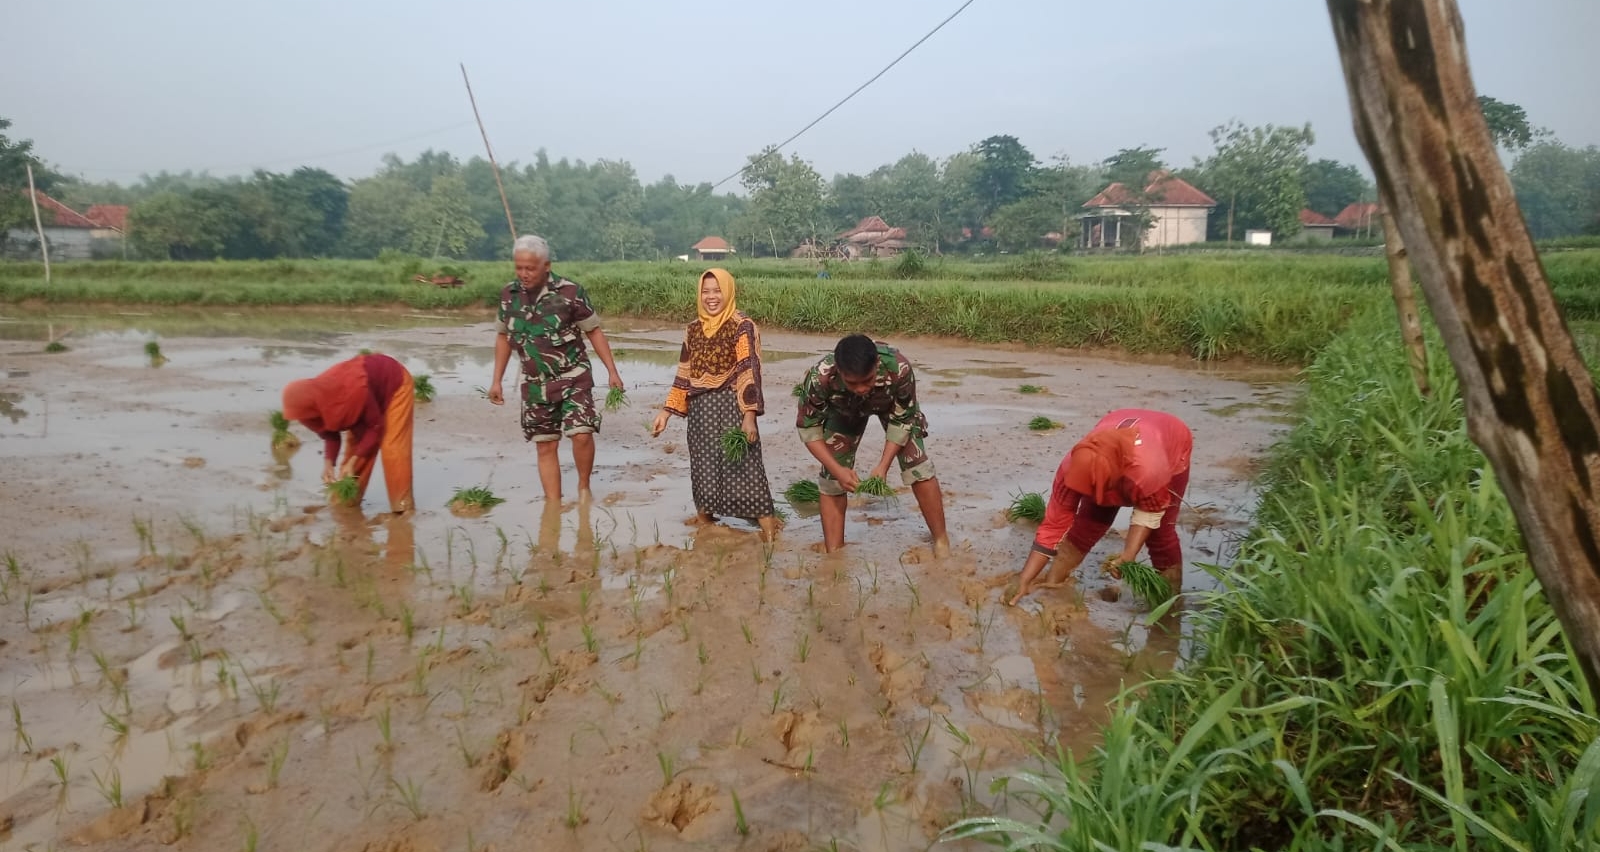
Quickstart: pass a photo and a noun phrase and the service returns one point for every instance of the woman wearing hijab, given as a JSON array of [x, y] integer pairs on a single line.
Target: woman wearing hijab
[[372, 398], [1132, 457], [718, 387]]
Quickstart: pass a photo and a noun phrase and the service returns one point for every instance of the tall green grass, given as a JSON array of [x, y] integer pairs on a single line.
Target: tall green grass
[[1268, 307], [1381, 669]]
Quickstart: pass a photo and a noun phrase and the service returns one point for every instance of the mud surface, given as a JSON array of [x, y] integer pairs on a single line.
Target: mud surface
[[200, 652]]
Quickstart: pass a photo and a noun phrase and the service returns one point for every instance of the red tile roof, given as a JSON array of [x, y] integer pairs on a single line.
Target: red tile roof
[[1313, 219], [1164, 190], [108, 215], [869, 224], [711, 244], [1359, 214], [58, 215]]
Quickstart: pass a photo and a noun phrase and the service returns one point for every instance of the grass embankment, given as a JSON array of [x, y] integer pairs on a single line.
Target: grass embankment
[[1381, 669]]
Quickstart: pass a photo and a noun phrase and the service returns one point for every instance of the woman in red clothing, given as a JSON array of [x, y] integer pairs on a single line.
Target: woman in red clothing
[[372, 398], [1132, 457]]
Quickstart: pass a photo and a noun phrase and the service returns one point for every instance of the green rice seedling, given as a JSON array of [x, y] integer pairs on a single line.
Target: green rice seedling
[[478, 498], [914, 743], [55, 346], [282, 438], [202, 757], [385, 731], [152, 350], [1030, 389], [1146, 583], [480, 391], [574, 816], [799, 390], [344, 492], [803, 647], [110, 786], [410, 797], [739, 823], [734, 444], [1043, 424], [467, 755], [252, 835], [422, 387], [616, 398], [802, 491], [668, 768], [875, 486], [1028, 506], [749, 636], [117, 726], [275, 761], [266, 693], [590, 643], [22, 738]]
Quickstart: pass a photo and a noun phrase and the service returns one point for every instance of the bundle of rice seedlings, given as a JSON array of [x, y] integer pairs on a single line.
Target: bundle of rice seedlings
[[1042, 424], [422, 386], [55, 346], [153, 351], [282, 438], [734, 444], [344, 492], [1030, 389], [1146, 584], [1026, 506], [616, 398], [478, 498], [802, 491], [875, 486], [799, 389]]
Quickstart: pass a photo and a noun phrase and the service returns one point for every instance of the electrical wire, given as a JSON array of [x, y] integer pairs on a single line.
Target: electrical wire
[[814, 122]]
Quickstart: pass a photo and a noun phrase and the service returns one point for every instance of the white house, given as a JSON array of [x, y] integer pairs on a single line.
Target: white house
[[1178, 215]]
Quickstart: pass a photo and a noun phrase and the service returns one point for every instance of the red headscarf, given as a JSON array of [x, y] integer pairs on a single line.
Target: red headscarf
[[331, 402], [1098, 464]]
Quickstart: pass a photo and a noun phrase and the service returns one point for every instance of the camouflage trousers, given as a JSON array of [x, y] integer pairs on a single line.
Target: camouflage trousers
[[559, 407]]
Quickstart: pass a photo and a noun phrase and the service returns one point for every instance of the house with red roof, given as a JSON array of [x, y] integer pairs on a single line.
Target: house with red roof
[[72, 235], [1359, 219], [1178, 213], [873, 237], [712, 248], [1315, 227]]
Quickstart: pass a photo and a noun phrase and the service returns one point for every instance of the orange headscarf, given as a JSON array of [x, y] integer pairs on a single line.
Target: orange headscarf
[[709, 323], [331, 402], [1098, 464]]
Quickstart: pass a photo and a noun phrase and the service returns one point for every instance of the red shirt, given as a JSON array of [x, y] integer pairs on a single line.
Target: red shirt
[[1162, 450]]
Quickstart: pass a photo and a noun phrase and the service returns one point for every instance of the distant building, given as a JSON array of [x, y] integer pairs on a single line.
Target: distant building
[[1315, 227], [72, 235], [1178, 215], [873, 237], [1359, 219], [712, 248]]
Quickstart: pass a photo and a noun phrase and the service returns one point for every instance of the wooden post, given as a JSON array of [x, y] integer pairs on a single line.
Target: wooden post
[[490, 151], [1531, 404], [1405, 303], [38, 225]]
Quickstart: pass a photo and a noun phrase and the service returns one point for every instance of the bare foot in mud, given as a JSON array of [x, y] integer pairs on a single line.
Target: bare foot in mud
[[701, 519], [585, 495], [822, 547], [769, 527], [941, 547]]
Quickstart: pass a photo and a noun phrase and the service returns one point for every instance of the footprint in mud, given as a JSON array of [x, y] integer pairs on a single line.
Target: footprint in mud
[[500, 763], [679, 804], [800, 734], [959, 624], [899, 676]]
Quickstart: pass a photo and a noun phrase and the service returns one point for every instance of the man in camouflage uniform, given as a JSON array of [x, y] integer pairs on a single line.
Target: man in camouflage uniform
[[861, 379], [544, 318]]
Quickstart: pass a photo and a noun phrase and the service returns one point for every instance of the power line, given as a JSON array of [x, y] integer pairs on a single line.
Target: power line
[[814, 122], [301, 160]]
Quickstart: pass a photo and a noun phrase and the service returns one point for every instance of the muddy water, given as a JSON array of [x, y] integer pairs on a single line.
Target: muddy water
[[191, 634]]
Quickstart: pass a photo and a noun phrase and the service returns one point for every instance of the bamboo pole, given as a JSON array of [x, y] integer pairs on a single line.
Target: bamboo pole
[[490, 151], [44, 247]]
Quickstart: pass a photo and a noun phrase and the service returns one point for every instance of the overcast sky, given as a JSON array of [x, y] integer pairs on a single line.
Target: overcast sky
[[110, 90]]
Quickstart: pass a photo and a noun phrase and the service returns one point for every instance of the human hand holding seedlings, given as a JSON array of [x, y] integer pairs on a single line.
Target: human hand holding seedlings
[[847, 479], [329, 474], [749, 427], [351, 465], [495, 395]]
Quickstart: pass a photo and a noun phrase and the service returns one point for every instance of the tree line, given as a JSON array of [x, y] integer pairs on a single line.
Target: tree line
[[996, 195]]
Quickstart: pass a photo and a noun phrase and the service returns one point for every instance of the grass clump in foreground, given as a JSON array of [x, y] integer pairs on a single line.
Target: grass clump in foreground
[[802, 491], [344, 492], [475, 500], [422, 387], [1380, 669], [1028, 506]]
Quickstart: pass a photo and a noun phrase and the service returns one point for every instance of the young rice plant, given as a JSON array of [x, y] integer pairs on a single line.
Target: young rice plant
[[1028, 506], [423, 387], [802, 491]]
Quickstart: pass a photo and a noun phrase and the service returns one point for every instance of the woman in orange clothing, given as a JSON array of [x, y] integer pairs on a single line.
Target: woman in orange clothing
[[717, 388], [1132, 457], [372, 398]]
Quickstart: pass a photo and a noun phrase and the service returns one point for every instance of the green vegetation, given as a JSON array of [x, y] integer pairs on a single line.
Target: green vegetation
[[1030, 389], [423, 387], [1381, 670], [282, 438], [875, 486], [344, 492], [152, 350], [55, 346], [1146, 584], [1043, 424], [735, 444], [1028, 506], [802, 491], [477, 498], [616, 398]]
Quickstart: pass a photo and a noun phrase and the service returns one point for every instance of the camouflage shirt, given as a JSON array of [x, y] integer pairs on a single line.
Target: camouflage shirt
[[823, 396], [546, 328]]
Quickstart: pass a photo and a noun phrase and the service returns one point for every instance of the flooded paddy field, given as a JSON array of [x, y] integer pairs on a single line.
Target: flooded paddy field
[[198, 651]]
